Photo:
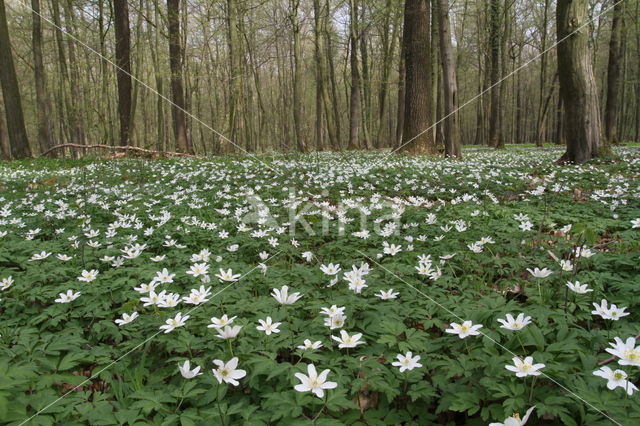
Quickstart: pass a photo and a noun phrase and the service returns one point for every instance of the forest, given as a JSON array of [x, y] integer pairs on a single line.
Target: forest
[[320, 212], [239, 76]]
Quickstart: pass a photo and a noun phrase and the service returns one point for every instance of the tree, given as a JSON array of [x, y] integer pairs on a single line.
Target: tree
[[614, 74], [175, 63], [355, 107], [11, 93], [449, 80], [123, 61], [495, 117], [417, 56], [45, 128], [297, 76], [582, 127]]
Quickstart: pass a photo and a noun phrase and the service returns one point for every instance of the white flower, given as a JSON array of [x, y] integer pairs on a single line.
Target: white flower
[[612, 312], [515, 419], [146, 288], [308, 344], [67, 297], [163, 277], [187, 373], [88, 276], [153, 298], [228, 332], [628, 352], [63, 257], [635, 223], [307, 255], [518, 323], [198, 269], [314, 382], [221, 322], [330, 269], [170, 300], [157, 258], [617, 378], [524, 368], [346, 341], [335, 321], [391, 249], [228, 372], [386, 295], [578, 288], [566, 265], [126, 319], [268, 326], [333, 310], [173, 323], [5, 283], [526, 226], [198, 296], [227, 275], [467, 328], [40, 256], [283, 297], [540, 273], [407, 362]]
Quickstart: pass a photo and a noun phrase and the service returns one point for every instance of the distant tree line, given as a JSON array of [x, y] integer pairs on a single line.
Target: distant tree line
[[307, 75]]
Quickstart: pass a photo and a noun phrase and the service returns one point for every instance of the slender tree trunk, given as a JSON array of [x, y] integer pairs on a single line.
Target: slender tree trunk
[[77, 98], [451, 135], [495, 25], [416, 40], [614, 74], [297, 77], [540, 124], [354, 99], [401, 96], [388, 51], [578, 89], [11, 93], [175, 63], [123, 61], [45, 128]]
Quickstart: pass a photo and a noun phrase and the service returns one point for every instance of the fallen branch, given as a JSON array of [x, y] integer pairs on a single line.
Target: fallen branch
[[118, 148]]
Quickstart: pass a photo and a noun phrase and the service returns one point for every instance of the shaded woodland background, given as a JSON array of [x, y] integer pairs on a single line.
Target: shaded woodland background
[[283, 75]]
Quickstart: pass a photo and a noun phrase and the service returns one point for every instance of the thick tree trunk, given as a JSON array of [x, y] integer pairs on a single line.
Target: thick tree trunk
[[582, 127], [11, 93], [5, 148], [417, 110], [123, 61], [45, 128], [614, 73], [451, 135], [175, 63]]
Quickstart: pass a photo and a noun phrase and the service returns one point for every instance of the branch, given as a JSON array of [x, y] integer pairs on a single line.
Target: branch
[[117, 148]]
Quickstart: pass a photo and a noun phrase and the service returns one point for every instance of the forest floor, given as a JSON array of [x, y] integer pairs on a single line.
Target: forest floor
[[263, 271]]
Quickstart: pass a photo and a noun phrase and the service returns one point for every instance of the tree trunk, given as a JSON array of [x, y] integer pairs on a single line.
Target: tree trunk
[[582, 127], [417, 117], [401, 96], [540, 122], [5, 148], [614, 72], [11, 93], [123, 61], [45, 128], [354, 99], [175, 63], [297, 77], [451, 135], [494, 45]]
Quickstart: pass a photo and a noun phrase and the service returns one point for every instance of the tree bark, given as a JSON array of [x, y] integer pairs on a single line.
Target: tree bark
[[354, 97], [175, 63], [123, 61], [45, 128], [494, 45], [449, 80], [11, 93], [614, 73], [582, 126], [297, 77], [417, 110]]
